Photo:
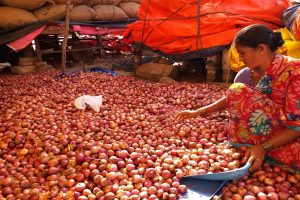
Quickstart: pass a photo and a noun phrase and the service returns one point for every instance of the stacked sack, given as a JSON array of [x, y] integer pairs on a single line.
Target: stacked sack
[[20, 12], [105, 10], [30, 64]]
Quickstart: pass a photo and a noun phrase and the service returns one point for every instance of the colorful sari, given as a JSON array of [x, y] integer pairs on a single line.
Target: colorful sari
[[259, 113]]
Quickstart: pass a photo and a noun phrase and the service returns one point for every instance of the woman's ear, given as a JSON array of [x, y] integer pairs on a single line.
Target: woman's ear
[[262, 48]]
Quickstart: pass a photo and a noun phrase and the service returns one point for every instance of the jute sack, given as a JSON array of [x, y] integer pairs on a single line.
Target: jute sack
[[26, 4], [136, 1], [43, 68], [73, 2], [109, 12], [82, 13], [52, 12], [12, 17], [130, 8], [41, 63], [155, 71], [104, 2], [23, 69], [26, 63], [28, 59]]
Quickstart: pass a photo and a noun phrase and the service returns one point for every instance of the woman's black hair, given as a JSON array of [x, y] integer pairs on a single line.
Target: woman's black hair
[[253, 35]]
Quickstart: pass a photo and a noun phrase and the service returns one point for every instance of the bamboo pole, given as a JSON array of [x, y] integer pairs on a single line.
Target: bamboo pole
[[65, 40]]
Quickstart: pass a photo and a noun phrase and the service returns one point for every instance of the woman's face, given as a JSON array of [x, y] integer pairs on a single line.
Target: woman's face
[[252, 57]]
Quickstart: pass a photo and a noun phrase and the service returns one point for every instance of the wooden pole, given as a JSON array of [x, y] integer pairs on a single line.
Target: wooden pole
[[66, 35], [38, 49]]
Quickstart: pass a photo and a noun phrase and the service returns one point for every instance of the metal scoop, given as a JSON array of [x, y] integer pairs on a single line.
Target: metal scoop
[[229, 175], [205, 186]]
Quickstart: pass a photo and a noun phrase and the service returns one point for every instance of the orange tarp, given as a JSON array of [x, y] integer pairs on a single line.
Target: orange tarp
[[173, 26]]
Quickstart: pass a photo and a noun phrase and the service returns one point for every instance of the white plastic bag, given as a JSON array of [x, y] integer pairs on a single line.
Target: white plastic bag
[[94, 102]]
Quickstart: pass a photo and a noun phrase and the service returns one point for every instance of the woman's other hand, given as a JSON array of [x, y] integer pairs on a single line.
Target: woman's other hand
[[187, 114], [255, 155]]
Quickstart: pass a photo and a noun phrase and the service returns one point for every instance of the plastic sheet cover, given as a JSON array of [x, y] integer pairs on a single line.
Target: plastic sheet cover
[[177, 27]]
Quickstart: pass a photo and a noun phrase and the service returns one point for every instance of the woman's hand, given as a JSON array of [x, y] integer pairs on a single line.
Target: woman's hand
[[216, 106], [255, 155], [187, 114]]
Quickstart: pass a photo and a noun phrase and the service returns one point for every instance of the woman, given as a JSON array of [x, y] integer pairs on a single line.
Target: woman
[[265, 108]]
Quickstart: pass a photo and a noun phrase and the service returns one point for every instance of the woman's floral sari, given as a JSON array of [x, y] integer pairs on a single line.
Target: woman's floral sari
[[258, 113]]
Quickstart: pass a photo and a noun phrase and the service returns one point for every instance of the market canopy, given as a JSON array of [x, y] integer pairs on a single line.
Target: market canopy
[[187, 27]]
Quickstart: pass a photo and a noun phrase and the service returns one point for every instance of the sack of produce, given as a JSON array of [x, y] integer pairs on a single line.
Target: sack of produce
[[23, 69], [12, 17], [155, 71], [82, 13], [109, 12], [104, 2], [136, 1], [73, 2], [130, 8], [51, 12], [25, 4], [28, 59]]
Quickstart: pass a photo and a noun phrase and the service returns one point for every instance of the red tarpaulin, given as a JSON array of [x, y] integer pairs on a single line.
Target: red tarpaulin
[[24, 41], [175, 27]]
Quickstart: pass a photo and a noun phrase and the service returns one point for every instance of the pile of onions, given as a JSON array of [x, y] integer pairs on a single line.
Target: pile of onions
[[132, 149], [268, 182]]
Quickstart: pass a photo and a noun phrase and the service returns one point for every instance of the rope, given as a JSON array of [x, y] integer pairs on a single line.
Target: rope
[[163, 20], [144, 24], [199, 15], [198, 38]]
